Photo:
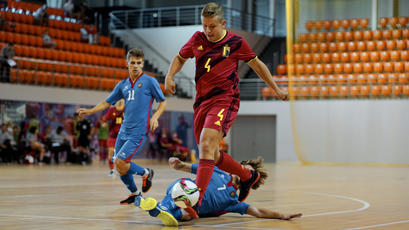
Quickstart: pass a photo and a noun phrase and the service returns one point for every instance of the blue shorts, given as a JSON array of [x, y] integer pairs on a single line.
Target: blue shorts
[[127, 147]]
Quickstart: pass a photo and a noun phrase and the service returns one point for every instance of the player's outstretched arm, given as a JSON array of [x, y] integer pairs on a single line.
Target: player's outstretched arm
[[177, 164], [174, 68], [264, 73], [265, 213], [154, 119], [98, 108]]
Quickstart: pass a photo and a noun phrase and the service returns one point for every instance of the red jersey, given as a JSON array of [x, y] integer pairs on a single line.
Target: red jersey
[[114, 117], [216, 65]]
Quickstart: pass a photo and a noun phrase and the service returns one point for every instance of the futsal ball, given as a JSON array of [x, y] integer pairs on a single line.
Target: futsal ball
[[185, 193]]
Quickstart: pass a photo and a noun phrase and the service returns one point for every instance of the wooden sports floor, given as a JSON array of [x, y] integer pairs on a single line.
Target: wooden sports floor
[[83, 197]]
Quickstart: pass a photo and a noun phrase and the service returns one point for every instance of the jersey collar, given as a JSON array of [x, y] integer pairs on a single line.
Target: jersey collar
[[133, 83], [224, 35]]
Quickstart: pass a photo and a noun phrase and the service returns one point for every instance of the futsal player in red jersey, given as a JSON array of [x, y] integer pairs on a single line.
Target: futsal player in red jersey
[[217, 53], [114, 116]]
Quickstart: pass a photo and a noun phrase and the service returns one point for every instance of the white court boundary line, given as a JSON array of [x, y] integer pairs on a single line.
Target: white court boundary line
[[364, 206], [379, 225]]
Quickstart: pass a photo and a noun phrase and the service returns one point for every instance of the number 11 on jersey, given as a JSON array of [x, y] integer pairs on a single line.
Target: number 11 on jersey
[[131, 95]]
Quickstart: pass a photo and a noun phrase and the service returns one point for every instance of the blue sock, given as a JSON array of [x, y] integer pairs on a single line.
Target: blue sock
[[129, 182], [136, 169]]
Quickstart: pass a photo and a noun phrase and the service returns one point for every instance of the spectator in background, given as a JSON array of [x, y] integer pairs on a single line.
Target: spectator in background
[[7, 61], [84, 129], [84, 34], [47, 42], [41, 16], [33, 122], [92, 34], [59, 144], [68, 9], [103, 132], [34, 144], [181, 129], [7, 145]]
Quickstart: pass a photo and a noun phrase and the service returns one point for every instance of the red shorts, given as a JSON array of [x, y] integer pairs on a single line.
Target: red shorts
[[219, 115], [111, 142]]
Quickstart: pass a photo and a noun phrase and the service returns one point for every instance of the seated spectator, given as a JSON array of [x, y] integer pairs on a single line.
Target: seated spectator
[[5, 24], [84, 34], [181, 151], [34, 144], [6, 62], [68, 9], [59, 144], [47, 42], [41, 16], [7, 145], [92, 34]]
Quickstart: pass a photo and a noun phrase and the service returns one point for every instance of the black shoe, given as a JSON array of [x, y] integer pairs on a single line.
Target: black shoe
[[129, 200], [147, 181], [245, 186]]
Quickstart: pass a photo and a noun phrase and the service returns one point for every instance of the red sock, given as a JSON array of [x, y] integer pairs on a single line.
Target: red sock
[[111, 164], [203, 176], [228, 164]]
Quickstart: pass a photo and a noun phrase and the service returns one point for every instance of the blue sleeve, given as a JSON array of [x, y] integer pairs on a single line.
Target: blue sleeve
[[115, 94], [156, 91], [194, 168], [238, 208]]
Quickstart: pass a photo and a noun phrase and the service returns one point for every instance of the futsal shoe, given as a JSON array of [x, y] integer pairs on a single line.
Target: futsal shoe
[[245, 186], [130, 199], [155, 210], [147, 181]]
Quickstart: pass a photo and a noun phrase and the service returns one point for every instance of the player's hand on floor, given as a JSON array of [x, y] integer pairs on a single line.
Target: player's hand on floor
[[291, 216]]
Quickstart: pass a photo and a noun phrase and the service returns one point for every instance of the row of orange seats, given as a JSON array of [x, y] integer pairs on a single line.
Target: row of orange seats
[[60, 79], [336, 24], [338, 68], [66, 56], [355, 35], [365, 56], [61, 44], [29, 19], [351, 46], [393, 21], [28, 6], [30, 64], [351, 79], [342, 91], [63, 80]]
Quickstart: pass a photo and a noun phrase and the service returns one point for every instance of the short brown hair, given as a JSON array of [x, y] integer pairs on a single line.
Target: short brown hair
[[135, 52], [259, 167], [213, 9]]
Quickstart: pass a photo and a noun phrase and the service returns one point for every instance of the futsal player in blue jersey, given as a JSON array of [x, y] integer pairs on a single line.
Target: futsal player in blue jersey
[[139, 91], [220, 197]]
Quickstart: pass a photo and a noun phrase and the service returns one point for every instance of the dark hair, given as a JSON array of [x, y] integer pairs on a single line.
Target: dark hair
[[213, 9], [259, 167], [32, 129], [135, 52]]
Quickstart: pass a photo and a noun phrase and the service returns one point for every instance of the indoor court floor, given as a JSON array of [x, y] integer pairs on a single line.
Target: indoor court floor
[[84, 197]]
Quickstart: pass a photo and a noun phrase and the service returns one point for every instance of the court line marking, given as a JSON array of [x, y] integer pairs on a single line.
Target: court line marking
[[364, 206], [379, 225]]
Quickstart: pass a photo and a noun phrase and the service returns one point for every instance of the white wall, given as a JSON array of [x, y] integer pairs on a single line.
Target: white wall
[[340, 130]]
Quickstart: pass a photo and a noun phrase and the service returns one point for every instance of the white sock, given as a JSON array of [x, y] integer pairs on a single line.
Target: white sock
[[146, 172]]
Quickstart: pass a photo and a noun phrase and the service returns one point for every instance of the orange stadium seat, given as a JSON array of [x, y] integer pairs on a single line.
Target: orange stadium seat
[[92, 82], [404, 55], [354, 91], [328, 68], [304, 91], [343, 91], [342, 46], [361, 79], [357, 67], [336, 24], [348, 68], [387, 67], [351, 46], [403, 21], [344, 57], [334, 91], [374, 56], [345, 23], [380, 45], [348, 36], [403, 78], [302, 38], [367, 35], [400, 44], [398, 67], [367, 67], [370, 45], [397, 90], [318, 69], [397, 34], [354, 56], [406, 67], [394, 55], [330, 36], [371, 78], [354, 23], [320, 37], [364, 56], [338, 68], [316, 57], [375, 91], [382, 78], [387, 34], [311, 37], [331, 79], [405, 90], [298, 59], [332, 47], [62, 79], [335, 57], [393, 21], [390, 44], [13, 75], [386, 90], [339, 36], [265, 92], [282, 69], [384, 56], [309, 25], [314, 47], [326, 57], [383, 22], [326, 24], [378, 67], [364, 91], [323, 47], [361, 45], [357, 35], [297, 48], [307, 58]]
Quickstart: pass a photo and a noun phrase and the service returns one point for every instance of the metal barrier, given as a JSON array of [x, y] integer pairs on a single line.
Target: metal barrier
[[189, 15]]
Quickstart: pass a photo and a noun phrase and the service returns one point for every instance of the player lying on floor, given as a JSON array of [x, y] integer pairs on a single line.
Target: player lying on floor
[[220, 197]]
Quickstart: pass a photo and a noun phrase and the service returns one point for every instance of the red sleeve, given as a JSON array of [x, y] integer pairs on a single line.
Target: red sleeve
[[245, 53], [108, 115], [187, 49]]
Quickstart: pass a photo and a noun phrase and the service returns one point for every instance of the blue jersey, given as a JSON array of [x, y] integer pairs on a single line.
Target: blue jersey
[[220, 197], [138, 103]]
